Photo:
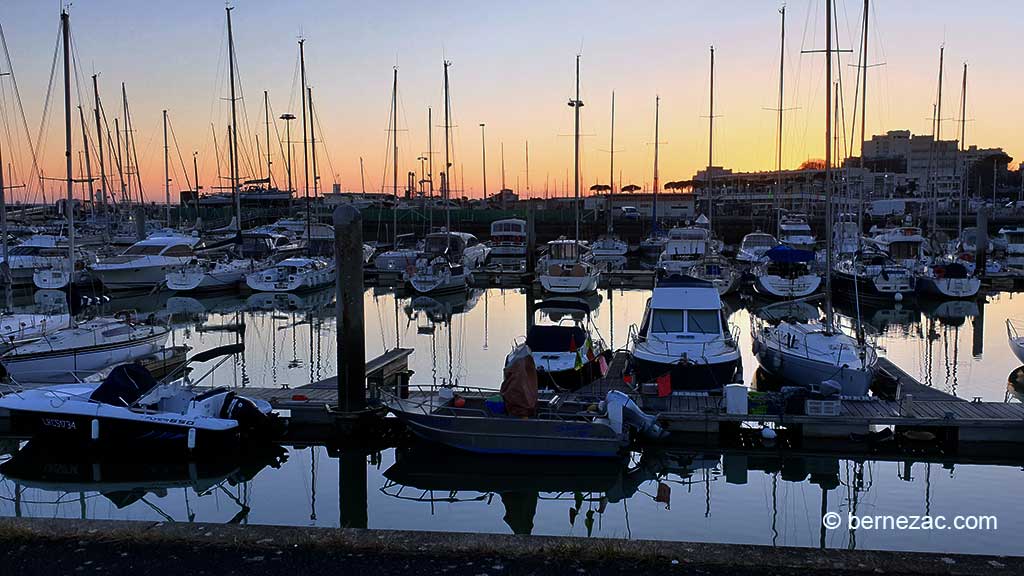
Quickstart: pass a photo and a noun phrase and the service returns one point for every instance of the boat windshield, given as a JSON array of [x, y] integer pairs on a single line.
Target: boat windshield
[[759, 241], [904, 250], [664, 321], [24, 250], [143, 250], [564, 251], [703, 321]]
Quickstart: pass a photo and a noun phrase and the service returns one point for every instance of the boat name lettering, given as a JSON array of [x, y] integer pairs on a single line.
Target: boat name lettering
[[59, 423]]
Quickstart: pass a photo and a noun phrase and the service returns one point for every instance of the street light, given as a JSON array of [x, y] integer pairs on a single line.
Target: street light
[[288, 140]]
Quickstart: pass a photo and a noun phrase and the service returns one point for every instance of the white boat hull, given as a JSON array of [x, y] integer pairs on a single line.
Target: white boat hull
[[948, 287], [263, 282], [774, 286], [56, 365], [570, 284], [127, 277]]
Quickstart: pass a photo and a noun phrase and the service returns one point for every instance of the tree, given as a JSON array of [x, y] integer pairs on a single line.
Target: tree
[[813, 164], [600, 188], [630, 188]]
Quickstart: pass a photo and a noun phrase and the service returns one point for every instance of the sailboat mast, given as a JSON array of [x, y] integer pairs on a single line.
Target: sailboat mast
[[577, 104], [99, 146], [657, 109], [863, 122], [828, 167], [394, 159], [167, 176], [430, 166], [502, 166], [305, 143], [312, 140], [963, 146], [88, 163], [711, 136], [935, 142], [446, 182], [611, 168], [782, 83], [69, 207], [236, 196], [266, 121]]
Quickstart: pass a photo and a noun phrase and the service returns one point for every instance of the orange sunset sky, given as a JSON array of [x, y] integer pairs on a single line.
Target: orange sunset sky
[[512, 66]]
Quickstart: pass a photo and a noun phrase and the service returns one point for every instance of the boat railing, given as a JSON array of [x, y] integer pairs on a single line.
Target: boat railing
[[730, 338]]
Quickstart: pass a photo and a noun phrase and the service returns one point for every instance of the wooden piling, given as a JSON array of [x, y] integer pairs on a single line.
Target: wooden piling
[[351, 336]]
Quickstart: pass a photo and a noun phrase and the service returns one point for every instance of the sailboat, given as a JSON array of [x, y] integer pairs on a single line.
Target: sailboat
[[653, 246], [609, 247], [807, 354], [565, 269], [441, 265]]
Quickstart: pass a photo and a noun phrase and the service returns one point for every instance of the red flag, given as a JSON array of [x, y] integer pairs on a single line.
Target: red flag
[[572, 343], [664, 384], [664, 495]]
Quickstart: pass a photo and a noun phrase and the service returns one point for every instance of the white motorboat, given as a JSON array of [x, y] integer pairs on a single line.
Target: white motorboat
[[400, 257], [795, 232], [145, 264], [292, 275], [566, 268], [786, 273], [872, 274], [753, 247], [1015, 334], [609, 247], [806, 354], [446, 262], [207, 274], [684, 248], [718, 271], [1013, 238], [564, 345], [44, 252], [903, 245], [130, 408], [947, 280], [685, 336], [82, 350], [508, 239]]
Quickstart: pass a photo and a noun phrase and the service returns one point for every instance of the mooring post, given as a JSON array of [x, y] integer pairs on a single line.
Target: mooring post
[[531, 241], [140, 222], [351, 346], [978, 336]]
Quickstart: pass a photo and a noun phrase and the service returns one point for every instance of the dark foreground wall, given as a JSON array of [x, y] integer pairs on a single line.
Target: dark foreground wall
[[137, 548]]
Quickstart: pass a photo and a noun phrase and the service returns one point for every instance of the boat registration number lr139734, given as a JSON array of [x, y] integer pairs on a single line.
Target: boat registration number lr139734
[[59, 423]]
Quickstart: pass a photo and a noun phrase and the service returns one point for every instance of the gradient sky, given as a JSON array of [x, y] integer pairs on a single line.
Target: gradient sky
[[512, 69]]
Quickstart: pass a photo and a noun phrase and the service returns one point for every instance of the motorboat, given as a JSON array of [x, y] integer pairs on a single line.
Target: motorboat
[[903, 245], [683, 249], [210, 274], [1015, 334], [131, 408], [947, 280], [809, 353], [786, 273], [82, 349], [872, 274], [474, 420], [685, 337], [508, 239], [45, 252], [567, 268], [1013, 238], [754, 246], [718, 271], [795, 232], [294, 274], [846, 234], [564, 345], [445, 264], [400, 257], [145, 264], [609, 246]]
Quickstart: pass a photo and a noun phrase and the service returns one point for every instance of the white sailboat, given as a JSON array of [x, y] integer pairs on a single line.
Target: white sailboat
[[753, 247], [786, 273], [565, 269], [807, 354], [609, 247]]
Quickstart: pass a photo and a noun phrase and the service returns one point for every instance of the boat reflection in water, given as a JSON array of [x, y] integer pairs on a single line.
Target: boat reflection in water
[[126, 480]]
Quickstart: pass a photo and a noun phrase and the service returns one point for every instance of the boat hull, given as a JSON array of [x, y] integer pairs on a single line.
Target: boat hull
[[569, 284], [129, 278], [800, 371], [888, 289], [528, 437], [688, 376], [56, 365], [955, 288], [778, 287]]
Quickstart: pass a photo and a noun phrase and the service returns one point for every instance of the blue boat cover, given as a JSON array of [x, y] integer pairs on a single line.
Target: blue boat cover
[[124, 385], [789, 255]]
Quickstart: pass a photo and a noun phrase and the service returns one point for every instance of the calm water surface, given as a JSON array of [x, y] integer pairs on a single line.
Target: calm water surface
[[757, 499]]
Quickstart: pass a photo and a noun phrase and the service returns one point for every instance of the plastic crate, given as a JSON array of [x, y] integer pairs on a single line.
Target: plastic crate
[[822, 407]]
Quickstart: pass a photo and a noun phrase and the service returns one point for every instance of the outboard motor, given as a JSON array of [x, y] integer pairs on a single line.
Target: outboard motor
[[623, 410], [251, 420]]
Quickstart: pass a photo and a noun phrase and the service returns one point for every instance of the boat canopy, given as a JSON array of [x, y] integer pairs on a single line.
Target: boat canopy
[[789, 255], [680, 292], [124, 385]]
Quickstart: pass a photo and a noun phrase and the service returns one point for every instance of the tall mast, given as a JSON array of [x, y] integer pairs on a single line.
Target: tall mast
[[503, 166], [446, 182], [266, 120], [88, 162], [654, 209], [527, 166], [69, 208], [611, 168], [711, 136], [305, 144], [394, 158], [99, 146], [312, 140], [234, 128], [782, 82], [935, 142], [120, 165], [863, 128], [167, 176], [576, 105], [430, 165], [129, 140], [483, 158], [963, 146], [127, 157], [828, 166]]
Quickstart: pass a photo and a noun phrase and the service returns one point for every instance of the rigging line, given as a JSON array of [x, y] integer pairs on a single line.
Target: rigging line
[[174, 138], [43, 120], [839, 71], [17, 96]]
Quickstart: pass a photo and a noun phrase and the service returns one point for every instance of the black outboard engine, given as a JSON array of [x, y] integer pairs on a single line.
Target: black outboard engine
[[252, 421]]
